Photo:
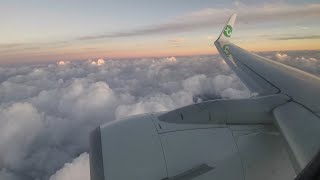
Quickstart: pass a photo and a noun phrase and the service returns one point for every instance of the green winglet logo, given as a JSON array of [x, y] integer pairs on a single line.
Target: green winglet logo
[[226, 50], [228, 30]]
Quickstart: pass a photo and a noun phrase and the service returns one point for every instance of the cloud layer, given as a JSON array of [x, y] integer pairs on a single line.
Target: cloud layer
[[47, 111], [308, 61]]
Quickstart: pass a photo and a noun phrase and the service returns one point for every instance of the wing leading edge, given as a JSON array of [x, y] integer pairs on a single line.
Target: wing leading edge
[[265, 76]]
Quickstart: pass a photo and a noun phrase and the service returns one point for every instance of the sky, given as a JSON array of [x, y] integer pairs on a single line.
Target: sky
[[137, 57], [51, 30]]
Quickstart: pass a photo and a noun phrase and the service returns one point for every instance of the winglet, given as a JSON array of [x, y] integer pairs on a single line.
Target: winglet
[[228, 28]]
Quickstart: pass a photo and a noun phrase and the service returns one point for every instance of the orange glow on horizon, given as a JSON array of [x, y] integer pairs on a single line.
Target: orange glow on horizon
[[159, 50]]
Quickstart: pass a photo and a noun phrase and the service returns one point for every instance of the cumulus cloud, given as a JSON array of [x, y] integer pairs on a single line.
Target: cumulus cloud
[[20, 124], [99, 62], [282, 57], [61, 63], [48, 111], [171, 59], [308, 61]]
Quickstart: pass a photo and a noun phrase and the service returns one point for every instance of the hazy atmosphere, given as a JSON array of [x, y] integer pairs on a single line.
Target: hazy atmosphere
[[67, 67], [42, 31]]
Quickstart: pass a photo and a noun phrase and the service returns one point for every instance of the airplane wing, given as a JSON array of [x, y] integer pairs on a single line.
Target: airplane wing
[[271, 136], [299, 119], [265, 76]]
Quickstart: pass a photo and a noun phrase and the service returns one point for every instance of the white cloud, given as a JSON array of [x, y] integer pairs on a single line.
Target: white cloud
[[172, 59], [20, 124], [282, 57], [303, 60], [100, 62], [61, 63], [78, 169]]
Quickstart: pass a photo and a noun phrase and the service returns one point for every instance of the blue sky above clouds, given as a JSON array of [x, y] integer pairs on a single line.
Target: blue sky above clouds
[[34, 31]]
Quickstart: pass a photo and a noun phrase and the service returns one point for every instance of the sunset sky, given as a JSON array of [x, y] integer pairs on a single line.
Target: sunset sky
[[52, 30]]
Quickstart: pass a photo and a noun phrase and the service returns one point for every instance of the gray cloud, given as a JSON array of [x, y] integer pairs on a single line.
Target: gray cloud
[[295, 37], [47, 111], [308, 61], [8, 46], [157, 29], [210, 17]]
